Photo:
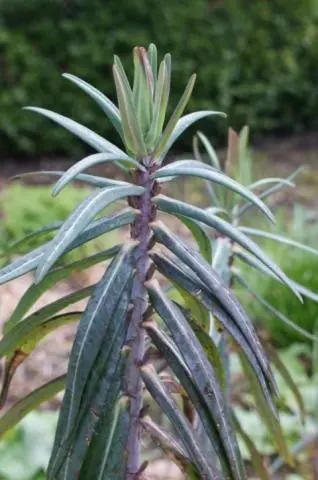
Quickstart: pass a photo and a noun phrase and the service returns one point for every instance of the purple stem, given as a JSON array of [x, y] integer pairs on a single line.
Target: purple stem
[[133, 384]]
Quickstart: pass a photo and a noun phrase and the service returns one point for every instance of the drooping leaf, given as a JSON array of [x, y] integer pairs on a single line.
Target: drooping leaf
[[287, 377], [214, 176], [200, 236], [255, 263], [272, 423], [181, 425], [202, 372], [233, 325], [180, 208], [88, 162], [104, 458], [167, 441], [269, 181], [274, 311], [29, 403], [36, 290], [77, 221], [255, 456], [88, 136], [29, 261], [106, 105], [278, 238], [268, 192], [94, 324], [25, 344]]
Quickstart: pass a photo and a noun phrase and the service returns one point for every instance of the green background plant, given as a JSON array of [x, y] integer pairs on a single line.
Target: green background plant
[[260, 68]]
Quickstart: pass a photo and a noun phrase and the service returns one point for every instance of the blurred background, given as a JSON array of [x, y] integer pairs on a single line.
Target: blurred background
[[256, 61]]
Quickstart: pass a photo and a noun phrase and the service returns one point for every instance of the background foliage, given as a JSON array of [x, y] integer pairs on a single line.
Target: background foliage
[[260, 68]]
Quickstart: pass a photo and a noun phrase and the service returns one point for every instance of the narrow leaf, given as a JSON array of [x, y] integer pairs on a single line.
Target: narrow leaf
[[168, 131], [88, 136], [183, 124], [60, 273], [269, 181], [278, 238], [274, 311], [91, 331], [106, 105], [255, 456], [202, 372], [88, 162], [132, 130], [180, 208], [29, 403], [210, 151], [77, 221], [179, 422], [201, 238], [214, 176], [100, 182]]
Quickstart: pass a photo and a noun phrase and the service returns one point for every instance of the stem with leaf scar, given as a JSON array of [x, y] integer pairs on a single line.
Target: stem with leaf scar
[[133, 384]]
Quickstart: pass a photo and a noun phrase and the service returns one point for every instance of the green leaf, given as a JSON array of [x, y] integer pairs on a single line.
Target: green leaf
[[235, 329], [181, 425], [278, 238], [77, 221], [25, 344], [88, 136], [161, 98], [287, 377], [185, 122], [99, 396], [36, 290], [100, 182], [213, 158], [274, 311], [202, 371], [167, 441], [88, 162], [197, 310], [272, 423], [210, 282], [168, 132], [253, 262], [16, 246], [29, 261], [202, 239], [176, 169], [94, 325], [106, 105], [180, 208], [104, 458], [131, 128], [255, 456], [143, 88], [29, 403], [270, 191], [153, 59], [18, 334], [269, 181]]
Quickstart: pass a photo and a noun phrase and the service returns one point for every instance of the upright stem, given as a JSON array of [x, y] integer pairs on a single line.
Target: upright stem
[[133, 385]]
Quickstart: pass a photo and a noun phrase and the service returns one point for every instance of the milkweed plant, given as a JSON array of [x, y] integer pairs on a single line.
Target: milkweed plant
[[131, 318]]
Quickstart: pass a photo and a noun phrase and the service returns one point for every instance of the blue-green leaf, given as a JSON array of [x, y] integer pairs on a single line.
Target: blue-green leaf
[[88, 136], [181, 425], [180, 208], [214, 176], [203, 373], [100, 182], [77, 221], [106, 105]]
